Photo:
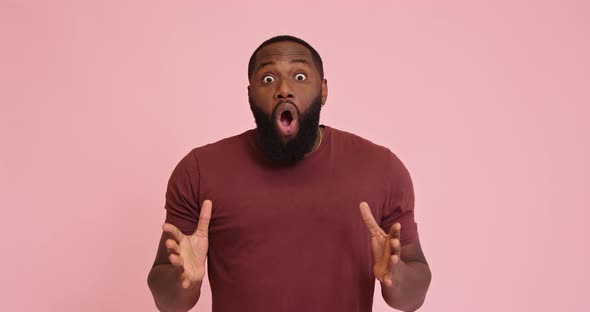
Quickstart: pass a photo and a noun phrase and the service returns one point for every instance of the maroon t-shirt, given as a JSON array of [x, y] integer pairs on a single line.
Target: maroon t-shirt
[[291, 238]]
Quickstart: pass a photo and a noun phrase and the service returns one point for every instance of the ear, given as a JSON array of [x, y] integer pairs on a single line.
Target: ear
[[324, 91]]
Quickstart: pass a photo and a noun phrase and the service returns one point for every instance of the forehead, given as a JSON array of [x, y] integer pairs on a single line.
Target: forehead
[[283, 51]]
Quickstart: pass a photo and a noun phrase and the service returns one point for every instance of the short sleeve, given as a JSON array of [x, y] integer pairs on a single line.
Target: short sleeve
[[182, 200], [399, 203]]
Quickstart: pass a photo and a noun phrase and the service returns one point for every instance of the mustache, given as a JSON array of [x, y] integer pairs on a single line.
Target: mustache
[[279, 103], [285, 101]]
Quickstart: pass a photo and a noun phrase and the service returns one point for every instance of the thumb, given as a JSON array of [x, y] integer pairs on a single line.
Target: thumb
[[204, 220]]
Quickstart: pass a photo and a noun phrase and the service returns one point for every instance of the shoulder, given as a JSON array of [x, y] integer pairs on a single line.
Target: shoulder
[[219, 150], [364, 150], [225, 147]]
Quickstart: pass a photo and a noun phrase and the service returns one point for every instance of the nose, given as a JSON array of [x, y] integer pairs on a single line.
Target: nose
[[283, 91]]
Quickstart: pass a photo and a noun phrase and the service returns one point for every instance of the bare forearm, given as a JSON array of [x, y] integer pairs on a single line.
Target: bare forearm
[[408, 291], [164, 283]]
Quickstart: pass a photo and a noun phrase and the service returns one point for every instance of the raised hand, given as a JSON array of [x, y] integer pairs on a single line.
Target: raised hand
[[188, 253], [386, 248]]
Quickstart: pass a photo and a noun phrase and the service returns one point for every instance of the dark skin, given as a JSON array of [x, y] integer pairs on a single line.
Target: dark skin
[[402, 270], [285, 70]]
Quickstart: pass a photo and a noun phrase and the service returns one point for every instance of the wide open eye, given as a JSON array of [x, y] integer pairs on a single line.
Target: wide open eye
[[268, 79], [300, 77]]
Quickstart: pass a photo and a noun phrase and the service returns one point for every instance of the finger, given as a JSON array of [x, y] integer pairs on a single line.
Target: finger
[[395, 230], [384, 277], [185, 282], [396, 251], [370, 221], [176, 260], [387, 281], [172, 246], [396, 247], [173, 231], [395, 241], [204, 219], [387, 250]]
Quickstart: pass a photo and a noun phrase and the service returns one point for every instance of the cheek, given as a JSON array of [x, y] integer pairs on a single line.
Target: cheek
[[307, 95], [262, 93], [263, 101]]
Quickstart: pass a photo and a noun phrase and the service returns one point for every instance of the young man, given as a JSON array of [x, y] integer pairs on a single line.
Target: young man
[[286, 213]]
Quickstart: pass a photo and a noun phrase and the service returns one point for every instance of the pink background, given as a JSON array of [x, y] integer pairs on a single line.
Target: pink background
[[485, 102]]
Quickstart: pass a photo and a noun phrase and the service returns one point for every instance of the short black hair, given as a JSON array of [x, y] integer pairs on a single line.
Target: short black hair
[[314, 54]]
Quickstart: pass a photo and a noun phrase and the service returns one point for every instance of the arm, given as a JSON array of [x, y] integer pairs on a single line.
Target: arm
[[164, 281], [178, 271], [409, 286], [403, 271]]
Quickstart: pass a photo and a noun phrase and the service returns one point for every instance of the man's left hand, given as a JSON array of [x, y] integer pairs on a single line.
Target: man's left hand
[[386, 248]]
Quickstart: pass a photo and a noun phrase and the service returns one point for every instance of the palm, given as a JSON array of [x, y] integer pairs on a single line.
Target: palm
[[194, 252], [386, 247], [379, 246], [189, 252]]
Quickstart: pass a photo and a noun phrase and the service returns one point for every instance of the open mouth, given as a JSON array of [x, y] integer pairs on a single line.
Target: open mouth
[[286, 118], [287, 122]]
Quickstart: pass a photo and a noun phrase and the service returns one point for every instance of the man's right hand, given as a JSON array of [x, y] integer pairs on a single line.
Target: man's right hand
[[188, 253]]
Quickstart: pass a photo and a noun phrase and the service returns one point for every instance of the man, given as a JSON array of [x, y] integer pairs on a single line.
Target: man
[[281, 212]]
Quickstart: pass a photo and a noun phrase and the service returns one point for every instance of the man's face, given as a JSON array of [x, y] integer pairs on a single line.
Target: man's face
[[286, 92]]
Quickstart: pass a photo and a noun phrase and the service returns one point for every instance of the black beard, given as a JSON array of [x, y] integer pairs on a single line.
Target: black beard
[[295, 149]]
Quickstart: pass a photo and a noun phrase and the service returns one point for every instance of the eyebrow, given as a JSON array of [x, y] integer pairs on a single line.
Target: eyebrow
[[298, 60]]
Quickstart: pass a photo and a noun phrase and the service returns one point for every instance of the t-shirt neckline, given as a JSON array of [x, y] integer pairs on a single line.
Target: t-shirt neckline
[[320, 150]]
